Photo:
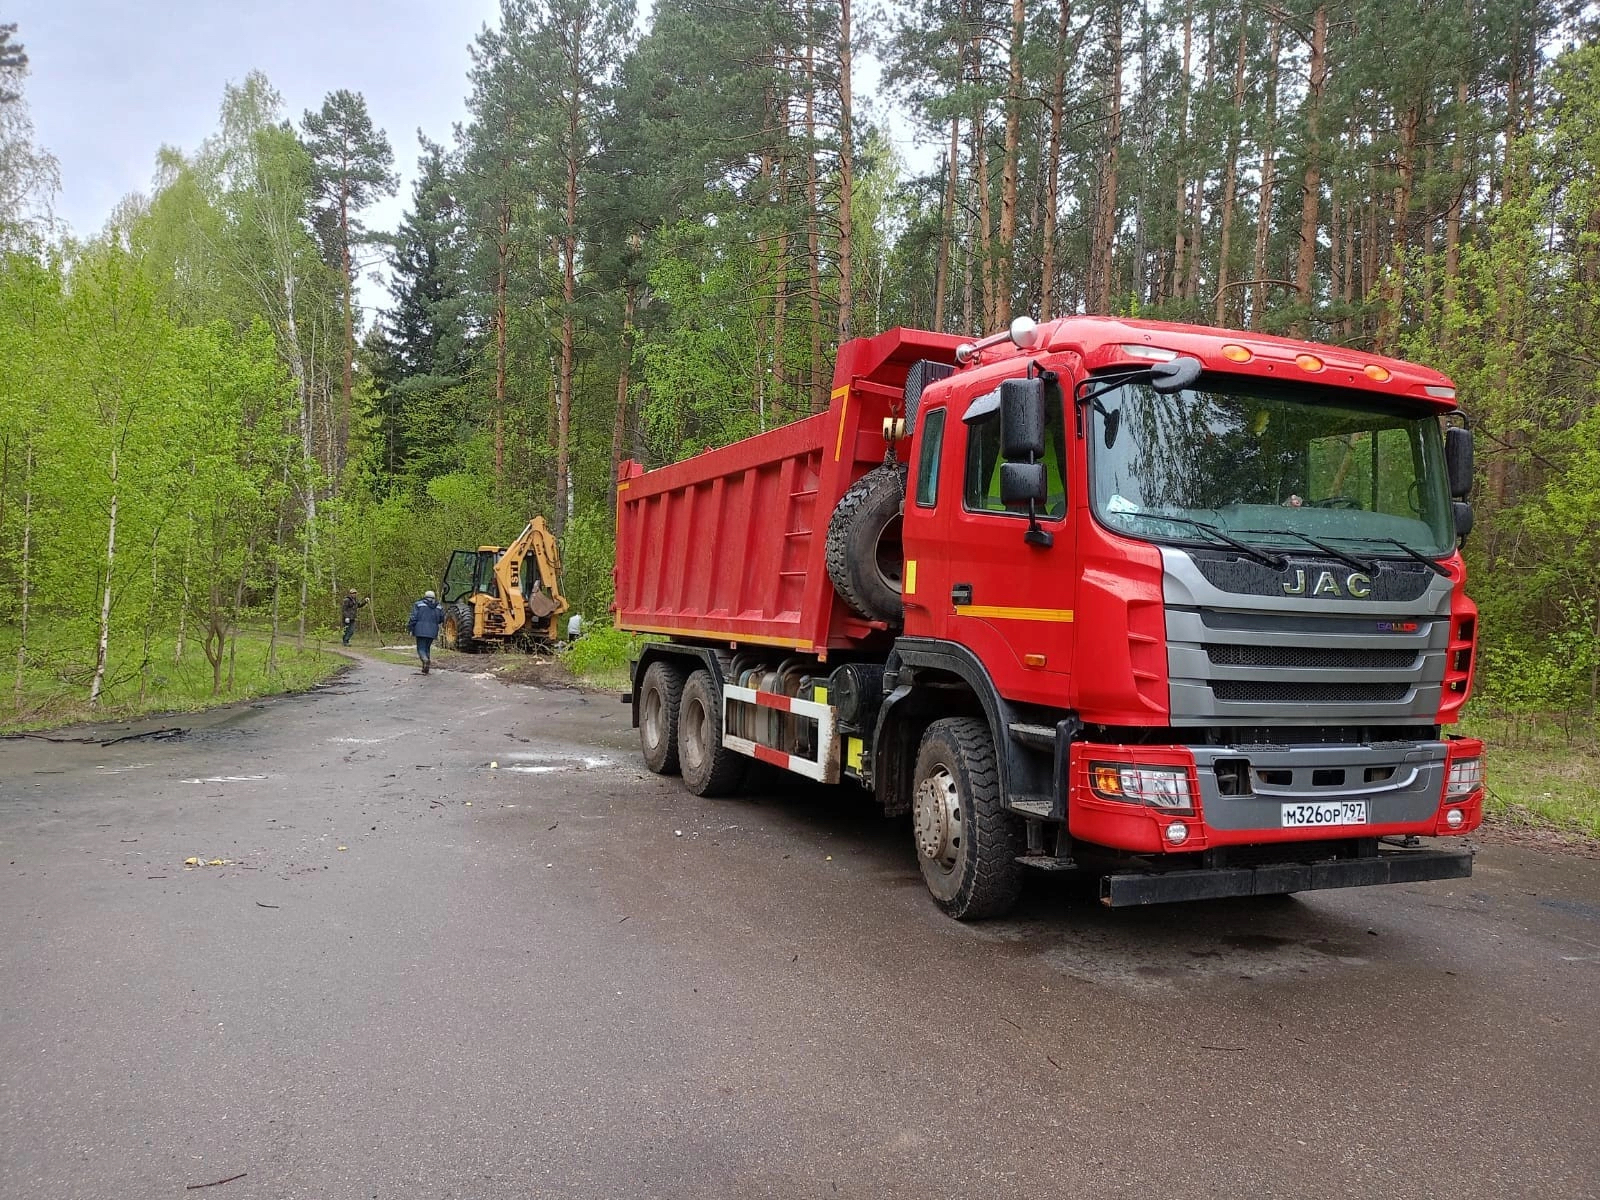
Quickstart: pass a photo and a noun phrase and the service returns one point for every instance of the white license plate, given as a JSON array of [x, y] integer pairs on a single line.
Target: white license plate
[[1323, 813]]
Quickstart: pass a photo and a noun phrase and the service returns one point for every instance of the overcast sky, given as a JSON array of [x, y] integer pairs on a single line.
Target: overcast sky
[[112, 81]]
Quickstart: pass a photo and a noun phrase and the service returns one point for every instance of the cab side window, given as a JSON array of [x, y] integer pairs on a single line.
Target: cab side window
[[928, 458], [982, 485]]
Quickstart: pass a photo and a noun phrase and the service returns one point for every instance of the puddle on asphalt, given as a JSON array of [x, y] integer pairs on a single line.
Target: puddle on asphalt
[[227, 779], [532, 763]]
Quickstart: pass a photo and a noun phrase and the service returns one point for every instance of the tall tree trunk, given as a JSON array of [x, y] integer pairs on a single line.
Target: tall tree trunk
[[1269, 130], [1311, 181], [103, 642], [502, 283], [1052, 204], [819, 381], [1174, 288], [349, 303], [846, 167], [25, 571], [619, 425], [1230, 178], [1197, 186], [569, 288], [1395, 283], [1105, 224], [980, 158], [1005, 285], [1452, 220], [947, 225]]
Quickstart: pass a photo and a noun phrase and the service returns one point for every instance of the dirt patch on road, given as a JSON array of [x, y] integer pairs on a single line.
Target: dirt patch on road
[[537, 670]]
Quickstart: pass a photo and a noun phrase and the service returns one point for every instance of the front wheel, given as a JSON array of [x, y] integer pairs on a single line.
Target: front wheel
[[967, 844], [456, 630]]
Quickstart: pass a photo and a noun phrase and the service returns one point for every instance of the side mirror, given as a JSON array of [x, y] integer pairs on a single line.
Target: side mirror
[[1175, 374], [1458, 461], [1021, 418], [1022, 484], [1462, 512]]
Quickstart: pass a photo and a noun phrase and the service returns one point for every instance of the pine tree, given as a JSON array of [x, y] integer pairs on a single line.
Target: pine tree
[[352, 165]]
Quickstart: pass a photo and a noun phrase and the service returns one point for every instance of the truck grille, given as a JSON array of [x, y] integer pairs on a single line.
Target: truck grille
[[1295, 661], [1256, 692], [1311, 658]]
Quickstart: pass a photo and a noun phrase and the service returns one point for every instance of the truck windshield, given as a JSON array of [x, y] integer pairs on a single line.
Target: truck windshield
[[1270, 466]]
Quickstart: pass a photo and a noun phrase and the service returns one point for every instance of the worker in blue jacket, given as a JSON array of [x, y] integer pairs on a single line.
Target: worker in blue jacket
[[423, 624]]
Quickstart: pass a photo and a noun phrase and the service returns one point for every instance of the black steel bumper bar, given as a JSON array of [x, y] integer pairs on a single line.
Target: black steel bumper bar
[[1396, 866]]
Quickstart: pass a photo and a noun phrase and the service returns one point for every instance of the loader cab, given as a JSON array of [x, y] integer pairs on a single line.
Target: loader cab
[[468, 572]]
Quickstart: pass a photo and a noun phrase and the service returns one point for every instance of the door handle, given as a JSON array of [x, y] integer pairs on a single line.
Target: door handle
[[961, 593]]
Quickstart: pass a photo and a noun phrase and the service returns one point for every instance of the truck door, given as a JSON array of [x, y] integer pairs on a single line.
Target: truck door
[[971, 576]]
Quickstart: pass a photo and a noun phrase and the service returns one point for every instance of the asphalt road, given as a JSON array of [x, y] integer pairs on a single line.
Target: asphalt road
[[417, 976]]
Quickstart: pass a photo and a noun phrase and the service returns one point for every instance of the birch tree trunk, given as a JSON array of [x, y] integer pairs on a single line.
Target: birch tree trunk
[[102, 643]]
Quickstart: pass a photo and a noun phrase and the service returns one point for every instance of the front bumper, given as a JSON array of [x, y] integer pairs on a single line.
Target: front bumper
[[1127, 889]]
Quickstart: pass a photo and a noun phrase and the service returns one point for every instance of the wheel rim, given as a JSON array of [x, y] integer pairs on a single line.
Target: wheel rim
[[452, 635], [650, 714], [889, 556], [692, 721], [936, 815]]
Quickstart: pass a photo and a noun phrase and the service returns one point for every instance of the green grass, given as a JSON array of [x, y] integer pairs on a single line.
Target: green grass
[[55, 688], [1542, 773]]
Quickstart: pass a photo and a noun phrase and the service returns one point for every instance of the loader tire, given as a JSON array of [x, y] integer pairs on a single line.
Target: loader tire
[[709, 768], [457, 628], [865, 558], [660, 693]]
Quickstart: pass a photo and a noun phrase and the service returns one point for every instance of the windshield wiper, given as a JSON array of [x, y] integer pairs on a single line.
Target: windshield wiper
[[1433, 566], [1349, 560], [1265, 557]]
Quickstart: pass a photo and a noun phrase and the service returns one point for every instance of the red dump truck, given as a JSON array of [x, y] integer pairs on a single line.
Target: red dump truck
[[1178, 606]]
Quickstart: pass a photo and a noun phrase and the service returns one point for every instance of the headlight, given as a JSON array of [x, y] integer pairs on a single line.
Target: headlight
[[1466, 777], [1158, 787]]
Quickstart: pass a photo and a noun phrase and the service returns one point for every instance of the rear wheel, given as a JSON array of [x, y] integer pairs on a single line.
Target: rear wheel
[[967, 844], [709, 768], [456, 631], [660, 693]]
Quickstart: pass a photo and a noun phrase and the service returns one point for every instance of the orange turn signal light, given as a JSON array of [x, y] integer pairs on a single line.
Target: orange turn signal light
[[1234, 352], [1033, 660], [1308, 362], [1376, 373], [1108, 780]]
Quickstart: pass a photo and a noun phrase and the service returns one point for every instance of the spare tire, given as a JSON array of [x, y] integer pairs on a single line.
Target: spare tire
[[865, 559]]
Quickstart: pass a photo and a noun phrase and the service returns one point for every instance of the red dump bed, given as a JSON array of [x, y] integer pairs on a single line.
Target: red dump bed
[[730, 546]]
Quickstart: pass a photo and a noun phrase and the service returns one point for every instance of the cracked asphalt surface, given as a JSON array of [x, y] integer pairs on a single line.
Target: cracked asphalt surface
[[417, 976]]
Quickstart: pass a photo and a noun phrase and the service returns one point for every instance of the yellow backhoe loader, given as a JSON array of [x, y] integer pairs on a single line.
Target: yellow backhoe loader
[[504, 595]]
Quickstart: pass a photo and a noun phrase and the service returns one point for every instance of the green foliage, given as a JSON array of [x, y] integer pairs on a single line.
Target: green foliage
[[602, 655]]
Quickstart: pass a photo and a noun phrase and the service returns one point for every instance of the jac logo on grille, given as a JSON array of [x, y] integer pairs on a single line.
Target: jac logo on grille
[[1356, 585], [1397, 626]]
